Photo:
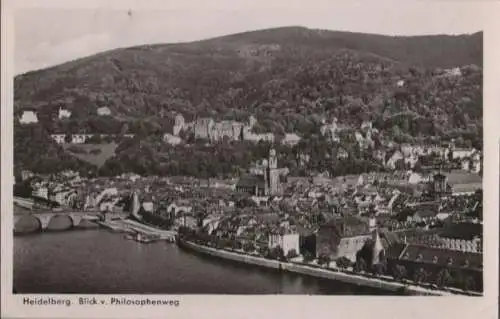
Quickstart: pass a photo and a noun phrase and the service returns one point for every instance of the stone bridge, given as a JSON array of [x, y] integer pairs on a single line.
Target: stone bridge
[[53, 220]]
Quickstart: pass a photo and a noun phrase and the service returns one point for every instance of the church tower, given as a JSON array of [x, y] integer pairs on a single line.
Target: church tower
[[273, 173]]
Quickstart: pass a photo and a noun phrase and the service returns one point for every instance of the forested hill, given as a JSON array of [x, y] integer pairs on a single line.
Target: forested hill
[[444, 51], [289, 78]]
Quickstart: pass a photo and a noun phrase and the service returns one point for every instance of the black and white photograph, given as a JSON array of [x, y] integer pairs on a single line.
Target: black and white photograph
[[319, 149]]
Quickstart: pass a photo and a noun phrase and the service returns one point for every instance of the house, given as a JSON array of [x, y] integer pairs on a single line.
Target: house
[[425, 263], [415, 178], [59, 138], [80, 138], [411, 160], [148, 203], [342, 237], [330, 130], [42, 192], [393, 159], [103, 111], [472, 163], [423, 215], [172, 139], [252, 184], [286, 239], [453, 72], [342, 154], [463, 183], [65, 197], [460, 153], [186, 221], [291, 139], [253, 137], [64, 113], [28, 117], [26, 174]]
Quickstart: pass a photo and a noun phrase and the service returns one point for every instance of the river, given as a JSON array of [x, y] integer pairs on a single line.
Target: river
[[100, 262]]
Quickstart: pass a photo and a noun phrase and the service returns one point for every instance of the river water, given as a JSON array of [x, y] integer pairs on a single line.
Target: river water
[[100, 262]]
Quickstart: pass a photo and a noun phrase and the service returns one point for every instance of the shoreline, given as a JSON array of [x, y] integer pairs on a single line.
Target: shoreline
[[302, 269]]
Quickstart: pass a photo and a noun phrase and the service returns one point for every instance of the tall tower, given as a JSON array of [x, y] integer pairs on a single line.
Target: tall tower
[[273, 173]]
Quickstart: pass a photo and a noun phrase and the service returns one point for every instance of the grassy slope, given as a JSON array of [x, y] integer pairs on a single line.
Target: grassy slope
[[107, 151]]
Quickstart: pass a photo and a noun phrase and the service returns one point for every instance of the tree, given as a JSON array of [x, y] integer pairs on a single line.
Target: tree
[[343, 262], [379, 269], [469, 284], [308, 256], [292, 253], [248, 247], [420, 275], [276, 253], [399, 272], [324, 260], [361, 265], [443, 278]]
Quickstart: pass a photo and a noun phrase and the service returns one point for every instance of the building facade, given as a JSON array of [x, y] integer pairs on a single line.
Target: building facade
[[288, 241]]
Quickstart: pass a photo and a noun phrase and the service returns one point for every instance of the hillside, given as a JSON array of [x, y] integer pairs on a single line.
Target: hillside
[[289, 78], [94, 154]]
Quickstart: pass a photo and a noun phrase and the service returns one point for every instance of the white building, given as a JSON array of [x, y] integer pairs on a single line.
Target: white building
[[253, 137], [462, 152], [42, 192], [172, 139], [330, 130], [64, 113], [148, 206], [287, 241], [453, 72], [102, 111], [291, 139], [80, 138], [28, 117], [59, 138]]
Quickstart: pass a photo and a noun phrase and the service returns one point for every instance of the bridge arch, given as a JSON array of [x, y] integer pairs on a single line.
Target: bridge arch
[[60, 222], [27, 224]]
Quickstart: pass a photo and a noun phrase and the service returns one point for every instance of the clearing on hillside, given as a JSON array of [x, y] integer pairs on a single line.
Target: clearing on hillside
[[94, 154]]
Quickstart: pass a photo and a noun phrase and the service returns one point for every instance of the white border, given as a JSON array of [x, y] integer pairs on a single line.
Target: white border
[[219, 306]]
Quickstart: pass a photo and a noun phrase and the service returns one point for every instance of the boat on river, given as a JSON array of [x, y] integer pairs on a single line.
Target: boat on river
[[141, 238]]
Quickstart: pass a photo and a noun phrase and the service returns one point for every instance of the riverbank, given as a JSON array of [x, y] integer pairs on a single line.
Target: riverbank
[[132, 226], [318, 272]]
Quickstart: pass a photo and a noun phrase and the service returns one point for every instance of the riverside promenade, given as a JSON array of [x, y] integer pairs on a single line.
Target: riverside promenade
[[331, 274], [127, 225]]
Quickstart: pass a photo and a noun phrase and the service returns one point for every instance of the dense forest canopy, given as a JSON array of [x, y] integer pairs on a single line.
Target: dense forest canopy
[[288, 78]]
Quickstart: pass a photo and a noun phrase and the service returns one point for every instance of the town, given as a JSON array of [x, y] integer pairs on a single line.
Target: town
[[424, 227]]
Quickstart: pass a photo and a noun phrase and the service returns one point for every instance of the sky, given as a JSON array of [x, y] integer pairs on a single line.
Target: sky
[[61, 31]]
